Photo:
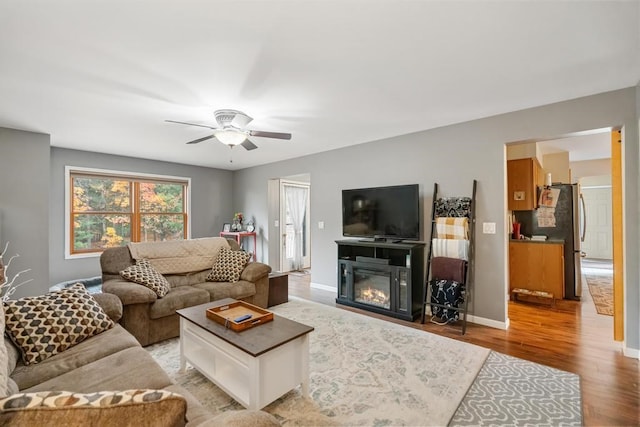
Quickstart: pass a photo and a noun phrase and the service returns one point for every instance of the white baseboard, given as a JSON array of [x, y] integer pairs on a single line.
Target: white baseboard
[[323, 287], [487, 322], [631, 352]]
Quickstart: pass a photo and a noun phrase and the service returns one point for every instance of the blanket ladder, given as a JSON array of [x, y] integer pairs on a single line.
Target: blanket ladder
[[468, 265]]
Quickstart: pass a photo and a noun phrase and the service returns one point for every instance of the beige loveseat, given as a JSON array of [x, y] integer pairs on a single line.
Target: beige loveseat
[[185, 265], [106, 380]]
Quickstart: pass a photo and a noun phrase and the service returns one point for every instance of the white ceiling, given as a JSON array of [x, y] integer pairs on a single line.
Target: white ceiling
[[104, 75], [591, 146]]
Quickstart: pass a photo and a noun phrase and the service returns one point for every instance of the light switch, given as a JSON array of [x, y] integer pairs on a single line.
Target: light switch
[[276, 223], [321, 225], [489, 227]]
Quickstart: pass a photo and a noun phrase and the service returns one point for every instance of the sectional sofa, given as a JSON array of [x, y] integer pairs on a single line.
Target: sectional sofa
[[108, 362], [66, 360]]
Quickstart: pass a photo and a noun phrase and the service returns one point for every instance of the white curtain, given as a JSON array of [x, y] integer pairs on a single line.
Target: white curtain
[[297, 204]]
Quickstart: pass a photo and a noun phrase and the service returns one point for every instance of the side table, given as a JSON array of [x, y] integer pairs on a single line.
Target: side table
[[278, 288]]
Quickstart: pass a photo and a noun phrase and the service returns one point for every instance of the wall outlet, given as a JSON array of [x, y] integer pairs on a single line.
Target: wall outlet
[[489, 227], [321, 225]]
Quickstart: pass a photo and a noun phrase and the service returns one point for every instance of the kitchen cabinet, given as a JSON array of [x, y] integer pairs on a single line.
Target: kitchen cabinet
[[537, 266], [524, 176]]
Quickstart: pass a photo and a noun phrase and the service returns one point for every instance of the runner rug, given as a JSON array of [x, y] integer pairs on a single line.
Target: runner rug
[[601, 290], [367, 371]]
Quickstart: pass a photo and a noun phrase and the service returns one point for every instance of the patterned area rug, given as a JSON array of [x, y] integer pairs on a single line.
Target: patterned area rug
[[601, 290], [514, 392], [371, 372], [364, 371]]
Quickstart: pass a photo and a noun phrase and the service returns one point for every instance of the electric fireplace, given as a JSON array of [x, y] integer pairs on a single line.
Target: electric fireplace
[[383, 277]]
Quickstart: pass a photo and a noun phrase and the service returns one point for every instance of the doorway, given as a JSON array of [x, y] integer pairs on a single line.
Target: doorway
[[585, 159], [295, 230]]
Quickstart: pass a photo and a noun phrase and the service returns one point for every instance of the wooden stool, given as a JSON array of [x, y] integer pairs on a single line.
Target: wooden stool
[[529, 293]]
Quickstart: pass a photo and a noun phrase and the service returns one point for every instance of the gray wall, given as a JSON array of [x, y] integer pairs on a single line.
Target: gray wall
[[453, 156], [24, 206], [210, 202], [32, 191]]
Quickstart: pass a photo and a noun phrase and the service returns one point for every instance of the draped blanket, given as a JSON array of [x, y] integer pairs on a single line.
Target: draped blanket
[[452, 228], [453, 206], [179, 256], [451, 248], [443, 268]]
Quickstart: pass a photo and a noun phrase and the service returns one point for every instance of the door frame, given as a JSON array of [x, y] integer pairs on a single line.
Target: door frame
[[618, 207], [617, 201]]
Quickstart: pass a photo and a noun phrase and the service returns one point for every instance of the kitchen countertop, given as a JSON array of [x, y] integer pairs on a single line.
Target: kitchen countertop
[[555, 241]]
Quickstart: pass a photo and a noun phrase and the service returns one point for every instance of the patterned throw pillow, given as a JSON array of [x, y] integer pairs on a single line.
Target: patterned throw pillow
[[117, 407], [228, 266], [46, 325], [143, 273]]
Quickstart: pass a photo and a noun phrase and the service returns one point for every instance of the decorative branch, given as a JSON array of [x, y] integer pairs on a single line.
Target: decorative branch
[[8, 287]]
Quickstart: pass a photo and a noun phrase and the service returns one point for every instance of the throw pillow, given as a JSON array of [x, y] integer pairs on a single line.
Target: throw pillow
[[143, 273], [228, 266], [46, 325], [109, 408]]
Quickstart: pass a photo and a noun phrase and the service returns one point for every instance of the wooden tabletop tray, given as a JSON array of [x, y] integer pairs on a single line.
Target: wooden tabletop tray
[[226, 315]]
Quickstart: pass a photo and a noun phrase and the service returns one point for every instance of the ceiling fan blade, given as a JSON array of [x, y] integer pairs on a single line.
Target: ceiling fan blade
[[195, 141], [277, 135], [191, 124], [248, 145]]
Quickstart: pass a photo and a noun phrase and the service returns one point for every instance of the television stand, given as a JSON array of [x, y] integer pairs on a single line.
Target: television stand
[[382, 277]]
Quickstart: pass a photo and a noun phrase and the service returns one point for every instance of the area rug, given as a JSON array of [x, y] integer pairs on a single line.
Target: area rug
[[601, 290], [367, 371], [514, 392], [363, 371]]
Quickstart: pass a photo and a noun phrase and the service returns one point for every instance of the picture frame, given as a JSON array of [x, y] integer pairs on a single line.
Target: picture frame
[[226, 227]]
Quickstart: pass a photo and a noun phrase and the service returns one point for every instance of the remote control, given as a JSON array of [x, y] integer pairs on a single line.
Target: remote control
[[242, 318]]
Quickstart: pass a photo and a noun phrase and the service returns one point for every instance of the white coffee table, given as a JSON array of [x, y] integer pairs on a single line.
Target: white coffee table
[[255, 366]]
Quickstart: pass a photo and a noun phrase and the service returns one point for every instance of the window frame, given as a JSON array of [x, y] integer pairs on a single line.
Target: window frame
[[135, 216]]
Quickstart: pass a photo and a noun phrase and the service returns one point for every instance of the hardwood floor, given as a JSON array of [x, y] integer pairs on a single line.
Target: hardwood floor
[[569, 336]]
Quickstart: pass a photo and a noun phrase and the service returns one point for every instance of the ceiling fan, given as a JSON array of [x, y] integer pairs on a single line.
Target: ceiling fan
[[231, 130]]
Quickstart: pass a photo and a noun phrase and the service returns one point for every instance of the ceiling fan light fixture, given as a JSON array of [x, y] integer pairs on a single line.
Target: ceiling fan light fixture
[[230, 137]]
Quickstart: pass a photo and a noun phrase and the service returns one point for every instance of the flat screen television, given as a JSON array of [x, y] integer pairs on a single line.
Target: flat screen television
[[391, 213]]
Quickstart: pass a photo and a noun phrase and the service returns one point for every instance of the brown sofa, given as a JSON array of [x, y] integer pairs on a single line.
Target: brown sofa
[[104, 364], [151, 319]]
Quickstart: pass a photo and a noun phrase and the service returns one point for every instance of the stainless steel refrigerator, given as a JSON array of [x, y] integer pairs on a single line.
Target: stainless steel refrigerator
[[569, 226]]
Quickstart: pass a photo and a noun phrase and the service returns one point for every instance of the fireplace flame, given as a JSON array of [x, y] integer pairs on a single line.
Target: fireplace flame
[[374, 296]]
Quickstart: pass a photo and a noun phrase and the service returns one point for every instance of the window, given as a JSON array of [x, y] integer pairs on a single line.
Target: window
[[108, 209]]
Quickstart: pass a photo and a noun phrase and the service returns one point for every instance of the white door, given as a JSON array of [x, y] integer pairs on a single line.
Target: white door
[[598, 238], [288, 233]]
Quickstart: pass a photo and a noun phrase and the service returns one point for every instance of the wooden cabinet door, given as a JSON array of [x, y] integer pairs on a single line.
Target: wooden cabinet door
[[537, 267], [523, 177], [521, 273], [553, 268]]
